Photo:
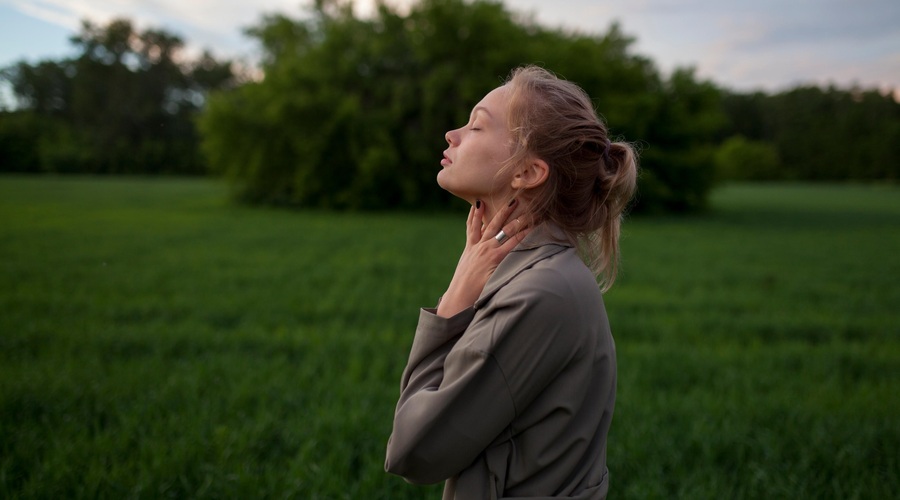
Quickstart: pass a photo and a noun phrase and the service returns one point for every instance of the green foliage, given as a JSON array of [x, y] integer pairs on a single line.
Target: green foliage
[[19, 138], [823, 134], [678, 161], [160, 342], [741, 159], [126, 104], [352, 112]]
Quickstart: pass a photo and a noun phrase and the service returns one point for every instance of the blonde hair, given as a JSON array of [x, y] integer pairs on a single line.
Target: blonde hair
[[591, 180]]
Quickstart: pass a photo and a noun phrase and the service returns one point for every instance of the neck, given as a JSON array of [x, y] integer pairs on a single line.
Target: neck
[[491, 208]]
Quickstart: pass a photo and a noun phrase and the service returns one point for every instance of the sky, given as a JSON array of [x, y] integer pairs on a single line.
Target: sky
[[744, 45]]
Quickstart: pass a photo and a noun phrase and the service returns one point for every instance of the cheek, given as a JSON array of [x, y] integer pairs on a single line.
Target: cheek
[[500, 153]]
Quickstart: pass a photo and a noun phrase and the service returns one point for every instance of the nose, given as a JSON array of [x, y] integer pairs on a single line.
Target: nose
[[449, 137]]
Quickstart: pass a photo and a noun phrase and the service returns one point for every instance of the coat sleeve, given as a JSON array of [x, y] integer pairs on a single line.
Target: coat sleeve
[[456, 398], [453, 402]]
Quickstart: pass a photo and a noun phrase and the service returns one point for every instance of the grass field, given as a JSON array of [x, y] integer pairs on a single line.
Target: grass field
[[159, 342]]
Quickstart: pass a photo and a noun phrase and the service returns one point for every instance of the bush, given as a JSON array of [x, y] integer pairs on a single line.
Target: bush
[[741, 159], [352, 112]]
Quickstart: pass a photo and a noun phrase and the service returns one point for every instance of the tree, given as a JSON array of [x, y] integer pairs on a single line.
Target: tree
[[741, 159], [679, 168], [352, 112], [125, 104], [822, 134], [44, 88]]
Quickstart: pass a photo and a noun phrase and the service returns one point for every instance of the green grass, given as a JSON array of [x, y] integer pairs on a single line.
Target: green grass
[[157, 341]]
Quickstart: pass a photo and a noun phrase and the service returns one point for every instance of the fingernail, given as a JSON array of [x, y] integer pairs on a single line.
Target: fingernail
[[477, 204], [512, 202]]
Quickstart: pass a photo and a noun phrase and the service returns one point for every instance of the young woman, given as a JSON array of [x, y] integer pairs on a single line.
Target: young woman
[[511, 380]]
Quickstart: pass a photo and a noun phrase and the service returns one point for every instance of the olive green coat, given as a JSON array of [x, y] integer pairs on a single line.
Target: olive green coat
[[514, 396]]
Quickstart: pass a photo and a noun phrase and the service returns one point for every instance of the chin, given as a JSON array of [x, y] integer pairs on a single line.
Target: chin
[[456, 193], [441, 182], [444, 183], [447, 185]]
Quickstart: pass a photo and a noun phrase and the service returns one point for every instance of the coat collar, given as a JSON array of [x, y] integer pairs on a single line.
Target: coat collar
[[543, 241]]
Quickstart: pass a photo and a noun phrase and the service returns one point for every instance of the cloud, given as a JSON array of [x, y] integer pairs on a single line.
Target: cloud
[[830, 21], [734, 42], [214, 24], [769, 43], [48, 12]]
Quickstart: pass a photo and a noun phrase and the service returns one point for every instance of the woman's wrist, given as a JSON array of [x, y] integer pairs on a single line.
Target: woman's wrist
[[452, 303]]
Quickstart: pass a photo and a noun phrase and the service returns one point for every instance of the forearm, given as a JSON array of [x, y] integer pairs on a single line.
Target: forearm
[[456, 299], [434, 338], [438, 431], [452, 403]]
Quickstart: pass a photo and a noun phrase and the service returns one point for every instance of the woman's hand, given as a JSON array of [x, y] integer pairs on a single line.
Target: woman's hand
[[481, 256]]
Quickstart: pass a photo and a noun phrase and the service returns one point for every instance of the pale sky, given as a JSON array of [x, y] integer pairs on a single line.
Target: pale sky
[[740, 44]]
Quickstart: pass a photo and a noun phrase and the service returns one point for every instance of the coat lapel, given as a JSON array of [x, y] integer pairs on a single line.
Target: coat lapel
[[544, 241]]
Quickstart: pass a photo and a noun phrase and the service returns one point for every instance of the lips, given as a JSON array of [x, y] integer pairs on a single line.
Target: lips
[[446, 160]]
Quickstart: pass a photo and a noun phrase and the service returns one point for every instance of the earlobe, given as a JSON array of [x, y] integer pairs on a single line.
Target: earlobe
[[531, 175]]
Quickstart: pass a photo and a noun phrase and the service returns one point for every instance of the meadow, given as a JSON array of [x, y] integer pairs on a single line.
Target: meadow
[[157, 341]]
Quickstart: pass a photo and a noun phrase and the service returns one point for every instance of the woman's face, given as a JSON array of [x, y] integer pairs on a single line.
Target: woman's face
[[478, 150]]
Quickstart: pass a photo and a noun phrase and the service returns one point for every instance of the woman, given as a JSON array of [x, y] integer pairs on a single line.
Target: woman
[[511, 380]]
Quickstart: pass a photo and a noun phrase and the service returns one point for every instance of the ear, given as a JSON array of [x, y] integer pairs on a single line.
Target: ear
[[531, 175]]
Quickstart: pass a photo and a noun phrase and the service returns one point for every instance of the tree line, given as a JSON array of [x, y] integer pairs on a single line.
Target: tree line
[[351, 112], [125, 104], [811, 133]]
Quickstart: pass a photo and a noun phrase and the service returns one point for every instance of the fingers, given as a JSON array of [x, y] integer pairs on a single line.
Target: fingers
[[503, 229], [500, 230], [511, 230], [510, 242], [500, 218], [474, 229]]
